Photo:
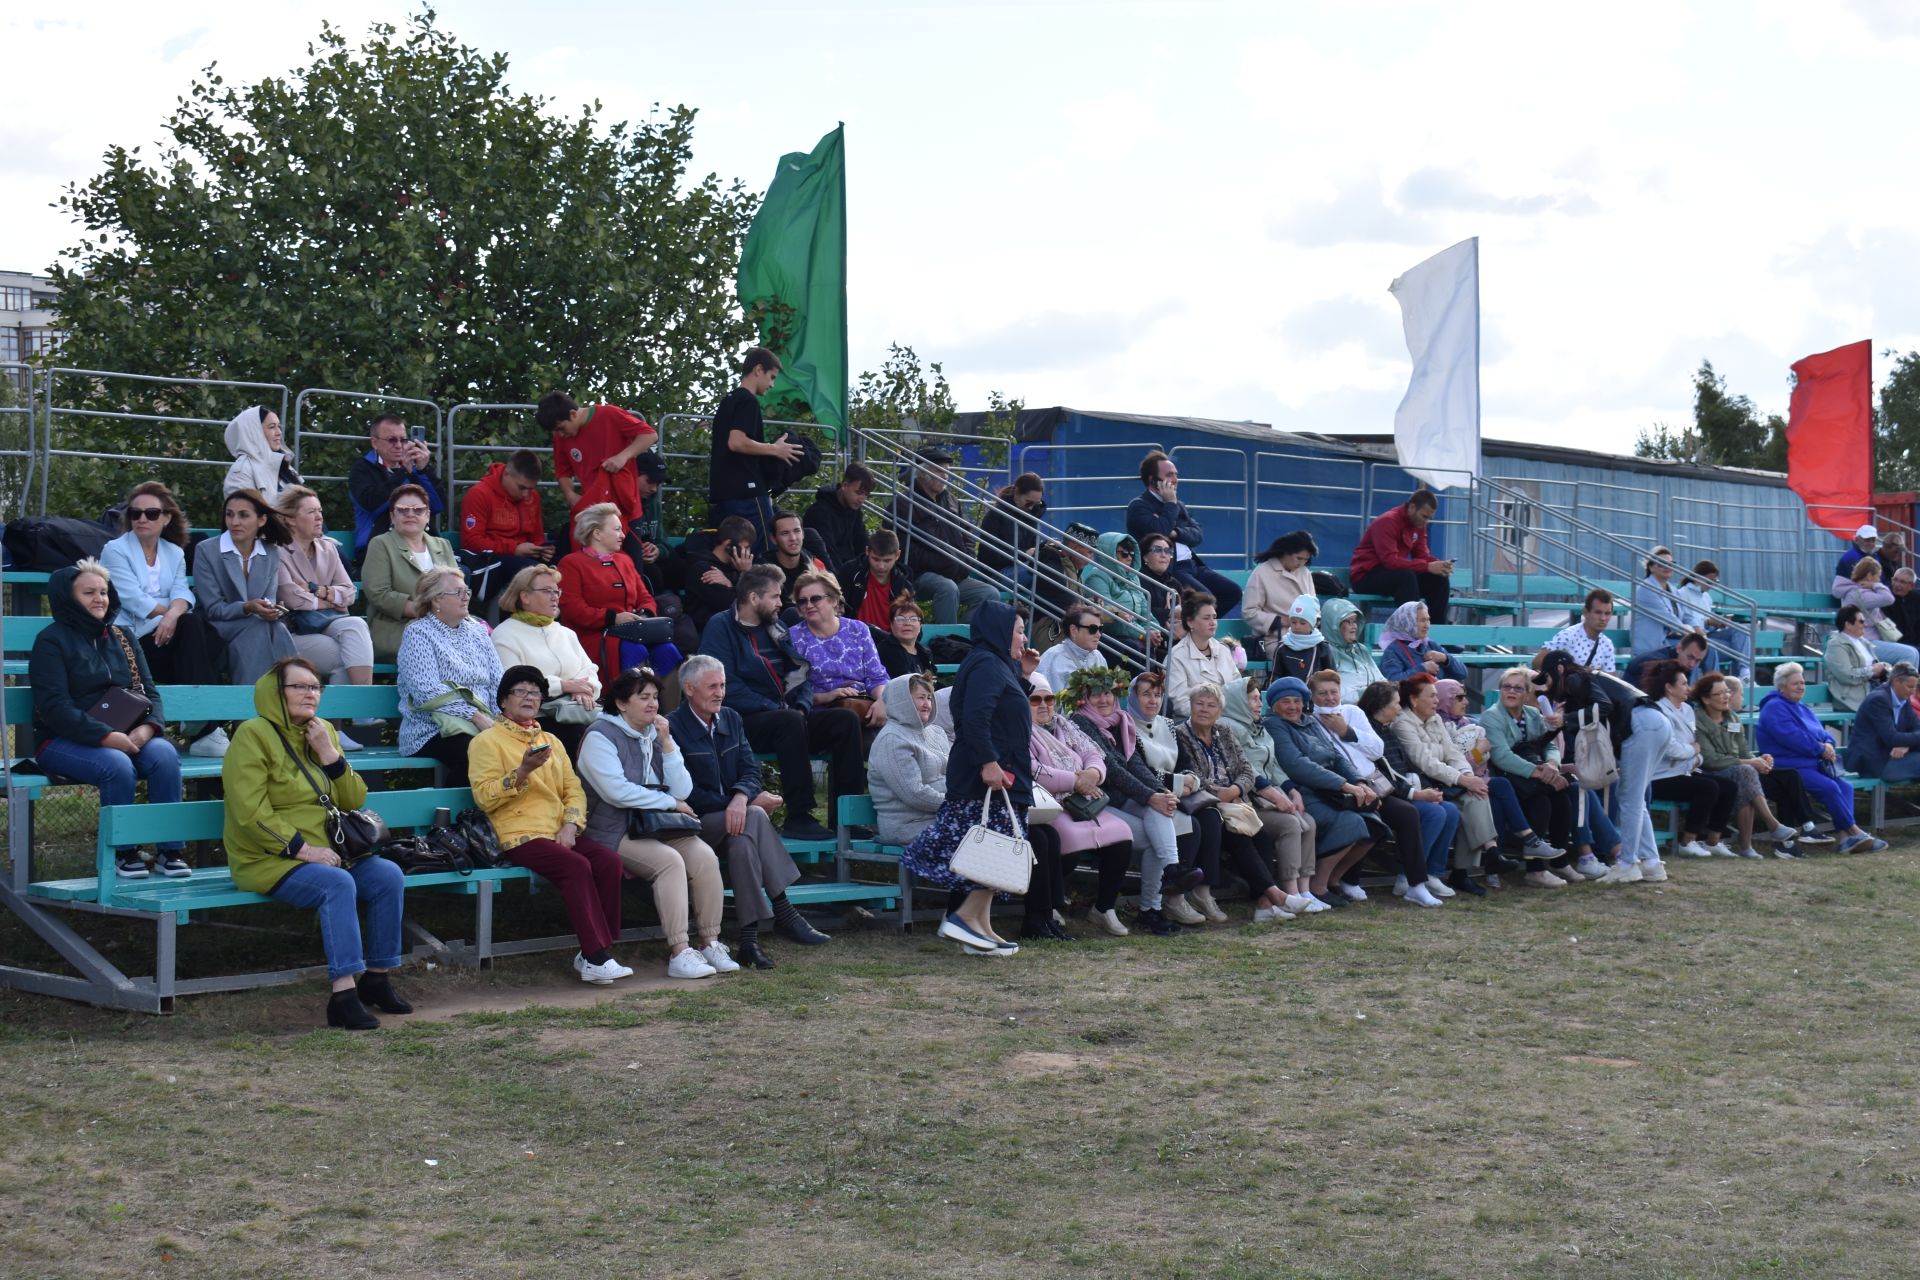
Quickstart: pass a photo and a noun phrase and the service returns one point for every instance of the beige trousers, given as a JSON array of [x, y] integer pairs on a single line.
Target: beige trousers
[[672, 867]]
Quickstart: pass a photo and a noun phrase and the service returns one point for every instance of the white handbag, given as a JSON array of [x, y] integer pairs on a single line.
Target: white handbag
[[1046, 810], [993, 859]]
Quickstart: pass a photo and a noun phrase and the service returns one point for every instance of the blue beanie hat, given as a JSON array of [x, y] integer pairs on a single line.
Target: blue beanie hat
[[1288, 687]]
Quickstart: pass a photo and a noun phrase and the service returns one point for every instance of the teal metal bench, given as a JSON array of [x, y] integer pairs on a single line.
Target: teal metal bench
[[857, 811]]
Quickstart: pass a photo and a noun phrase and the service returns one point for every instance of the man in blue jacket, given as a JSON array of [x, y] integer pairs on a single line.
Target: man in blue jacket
[[1159, 510], [1886, 730], [767, 686], [395, 459], [734, 810]]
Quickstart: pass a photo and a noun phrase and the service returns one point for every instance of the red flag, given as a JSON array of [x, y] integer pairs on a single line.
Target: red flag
[[1830, 437]]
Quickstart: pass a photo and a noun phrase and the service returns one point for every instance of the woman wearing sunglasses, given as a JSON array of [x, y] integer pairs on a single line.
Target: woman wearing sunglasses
[[148, 562], [845, 668]]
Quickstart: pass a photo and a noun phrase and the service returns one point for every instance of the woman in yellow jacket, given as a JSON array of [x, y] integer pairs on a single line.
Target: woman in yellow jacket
[[277, 842], [523, 780]]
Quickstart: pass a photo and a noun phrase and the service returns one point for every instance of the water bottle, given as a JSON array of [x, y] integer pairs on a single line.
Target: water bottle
[[442, 818]]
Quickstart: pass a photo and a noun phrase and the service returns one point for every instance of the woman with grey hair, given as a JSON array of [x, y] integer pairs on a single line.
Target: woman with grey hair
[[449, 674]]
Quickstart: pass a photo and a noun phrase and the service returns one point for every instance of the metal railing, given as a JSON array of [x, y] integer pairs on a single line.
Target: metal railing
[[18, 418], [1238, 512], [1072, 456], [435, 438], [53, 412], [1315, 510]]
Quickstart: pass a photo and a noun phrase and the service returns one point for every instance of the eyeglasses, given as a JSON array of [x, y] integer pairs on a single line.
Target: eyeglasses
[[1039, 701], [810, 600], [1513, 688], [526, 691], [543, 591], [461, 594], [1162, 549], [390, 439], [411, 511], [147, 513], [301, 688]]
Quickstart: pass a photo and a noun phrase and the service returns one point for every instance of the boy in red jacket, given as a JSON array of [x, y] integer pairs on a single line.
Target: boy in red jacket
[[501, 530]]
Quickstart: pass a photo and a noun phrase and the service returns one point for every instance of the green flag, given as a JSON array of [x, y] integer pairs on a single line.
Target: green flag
[[796, 255]]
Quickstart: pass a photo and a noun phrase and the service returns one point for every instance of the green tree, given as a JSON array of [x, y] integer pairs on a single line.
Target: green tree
[[1896, 425], [392, 217], [1727, 430]]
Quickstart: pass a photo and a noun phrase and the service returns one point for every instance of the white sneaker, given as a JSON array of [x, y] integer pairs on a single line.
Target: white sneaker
[[212, 746], [1400, 886], [1419, 897], [1653, 872], [601, 974], [1590, 867], [1622, 873], [689, 964], [1268, 915], [1784, 833], [346, 743], [1719, 849], [1544, 880], [1439, 888], [1568, 874], [715, 953], [1748, 852], [1306, 903], [1108, 920], [1693, 849], [1177, 910], [1202, 898], [1352, 892]]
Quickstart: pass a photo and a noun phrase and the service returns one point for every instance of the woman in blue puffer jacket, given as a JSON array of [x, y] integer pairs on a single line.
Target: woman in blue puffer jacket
[[1794, 737]]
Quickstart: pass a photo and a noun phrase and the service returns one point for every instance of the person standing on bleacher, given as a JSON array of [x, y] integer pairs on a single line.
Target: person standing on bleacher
[[80, 667], [396, 458], [1159, 510]]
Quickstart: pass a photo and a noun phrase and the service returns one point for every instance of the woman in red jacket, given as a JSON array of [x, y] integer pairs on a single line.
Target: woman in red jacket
[[605, 601]]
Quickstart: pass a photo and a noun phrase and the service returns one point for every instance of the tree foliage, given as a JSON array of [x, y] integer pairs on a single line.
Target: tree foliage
[[1897, 425], [1727, 430], [392, 217]]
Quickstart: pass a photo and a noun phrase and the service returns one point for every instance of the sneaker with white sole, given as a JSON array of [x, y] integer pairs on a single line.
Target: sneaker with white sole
[[1654, 872], [601, 975], [1748, 852], [1305, 903], [1568, 875], [1177, 910], [1270, 915], [172, 865], [1544, 880], [954, 929], [210, 746], [1622, 873], [1787, 851], [1351, 892], [1590, 867], [1720, 849], [1202, 900], [1538, 848], [346, 743], [1693, 849], [1418, 896], [1439, 888], [689, 964], [715, 953], [131, 866], [1109, 921], [1785, 833]]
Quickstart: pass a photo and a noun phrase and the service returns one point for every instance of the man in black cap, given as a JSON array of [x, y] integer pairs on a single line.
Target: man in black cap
[[928, 520]]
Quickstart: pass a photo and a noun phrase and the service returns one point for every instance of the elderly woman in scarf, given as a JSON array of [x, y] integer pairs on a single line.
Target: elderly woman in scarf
[[1406, 651], [1344, 628], [1153, 733], [1330, 787], [1300, 650], [1068, 764], [1143, 796], [1286, 820], [907, 764], [1465, 730]]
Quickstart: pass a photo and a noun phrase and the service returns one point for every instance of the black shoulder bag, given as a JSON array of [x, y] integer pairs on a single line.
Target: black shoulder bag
[[355, 833], [656, 824]]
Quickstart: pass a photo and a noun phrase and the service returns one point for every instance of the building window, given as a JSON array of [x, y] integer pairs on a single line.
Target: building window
[[38, 341], [13, 298], [9, 345]]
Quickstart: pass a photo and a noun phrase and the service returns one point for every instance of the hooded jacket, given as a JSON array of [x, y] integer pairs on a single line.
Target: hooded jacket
[[549, 799], [907, 767], [1108, 579], [492, 520], [271, 810], [1353, 661], [842, 532], [1256, 744], [256, 465], [76, 660], [990, 717]]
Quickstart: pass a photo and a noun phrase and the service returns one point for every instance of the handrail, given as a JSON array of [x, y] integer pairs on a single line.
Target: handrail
[[918, 503]]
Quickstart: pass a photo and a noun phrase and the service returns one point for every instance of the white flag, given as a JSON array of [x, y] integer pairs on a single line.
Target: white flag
[[1436, 430]]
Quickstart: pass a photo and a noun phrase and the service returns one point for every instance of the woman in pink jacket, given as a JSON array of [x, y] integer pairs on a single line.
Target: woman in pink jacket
[[1071, 768]]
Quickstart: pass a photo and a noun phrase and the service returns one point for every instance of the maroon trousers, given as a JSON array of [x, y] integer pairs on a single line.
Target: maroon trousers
[[588, 878]]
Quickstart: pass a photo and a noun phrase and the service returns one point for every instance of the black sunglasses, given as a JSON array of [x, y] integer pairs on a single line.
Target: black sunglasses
[[147, 513]]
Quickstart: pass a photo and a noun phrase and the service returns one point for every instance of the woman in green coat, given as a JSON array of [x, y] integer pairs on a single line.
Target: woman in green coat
[[1113, 577], [394, 562], [277, 842]]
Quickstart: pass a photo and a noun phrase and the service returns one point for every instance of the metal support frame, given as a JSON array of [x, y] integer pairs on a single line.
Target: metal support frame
[[1021, 459], [52, 413], [1241, 513], [24, 377], [301, 434]]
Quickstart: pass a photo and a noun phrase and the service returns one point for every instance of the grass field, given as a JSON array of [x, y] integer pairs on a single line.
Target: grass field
[[1715, 1077]]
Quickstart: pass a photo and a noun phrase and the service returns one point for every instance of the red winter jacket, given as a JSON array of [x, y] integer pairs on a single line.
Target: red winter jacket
[[490, 520], [1391, 542], [592, 591]]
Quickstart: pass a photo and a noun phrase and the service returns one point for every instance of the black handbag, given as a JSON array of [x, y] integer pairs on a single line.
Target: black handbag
[[483, 843], [354, 833], [646, 631], [123, 710], [443, 849], [312, 622], [1084, 808], [652, 824]]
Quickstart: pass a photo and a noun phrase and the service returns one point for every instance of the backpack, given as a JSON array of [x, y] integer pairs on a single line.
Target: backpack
[[47, 544], [949, 650], [1595, 766]]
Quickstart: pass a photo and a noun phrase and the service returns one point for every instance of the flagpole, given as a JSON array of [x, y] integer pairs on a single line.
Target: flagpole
[[846, 413]]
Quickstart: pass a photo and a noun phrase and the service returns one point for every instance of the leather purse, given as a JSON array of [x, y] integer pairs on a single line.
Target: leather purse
[[995, 859], [652, 824], [1084, 808], [122, 709], [353, 833], [1046, 809], [1240, 817], [646, 631]]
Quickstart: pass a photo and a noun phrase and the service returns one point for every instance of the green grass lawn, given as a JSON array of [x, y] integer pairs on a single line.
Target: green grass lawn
[[1715, 1077]]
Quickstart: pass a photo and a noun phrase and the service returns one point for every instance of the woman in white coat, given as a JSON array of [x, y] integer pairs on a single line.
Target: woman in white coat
[[260, 458], [534, 636]]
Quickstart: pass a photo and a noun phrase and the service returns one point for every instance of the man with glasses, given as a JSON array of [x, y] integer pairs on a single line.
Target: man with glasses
[[1158, 510], [767, 686], [396, 458], [1080, 648], [501, 529]]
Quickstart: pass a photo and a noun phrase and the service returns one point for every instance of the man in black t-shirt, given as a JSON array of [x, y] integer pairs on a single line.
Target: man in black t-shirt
[[738, 482]]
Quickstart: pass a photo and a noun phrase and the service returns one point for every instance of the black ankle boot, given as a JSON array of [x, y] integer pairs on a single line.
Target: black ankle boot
[[377, 990], [345, 1010]]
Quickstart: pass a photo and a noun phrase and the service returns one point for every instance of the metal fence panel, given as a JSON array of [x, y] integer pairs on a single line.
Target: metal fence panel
[[17, 439]]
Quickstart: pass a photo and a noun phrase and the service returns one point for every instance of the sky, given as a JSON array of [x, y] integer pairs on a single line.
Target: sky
[[1197, 208]]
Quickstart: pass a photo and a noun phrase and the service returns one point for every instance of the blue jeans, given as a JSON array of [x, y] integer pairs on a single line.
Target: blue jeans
[[1637, 756], [948, 596], [1894, 651], [1508, 817], [1596, 829], [663, 658], [1905, 769], [332, 892], [757, 511], [1439, 823], [1739, 642], [115, 772]]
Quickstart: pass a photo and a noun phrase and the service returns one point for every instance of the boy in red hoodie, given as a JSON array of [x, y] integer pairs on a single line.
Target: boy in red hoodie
[[501, 528]]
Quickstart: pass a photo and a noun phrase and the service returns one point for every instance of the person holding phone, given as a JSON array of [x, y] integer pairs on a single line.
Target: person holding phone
[[236, 584], [529, 791], [398, 457], [1159, 511]]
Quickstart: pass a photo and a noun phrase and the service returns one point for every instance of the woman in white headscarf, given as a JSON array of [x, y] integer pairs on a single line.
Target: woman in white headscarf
[[260, 458]]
